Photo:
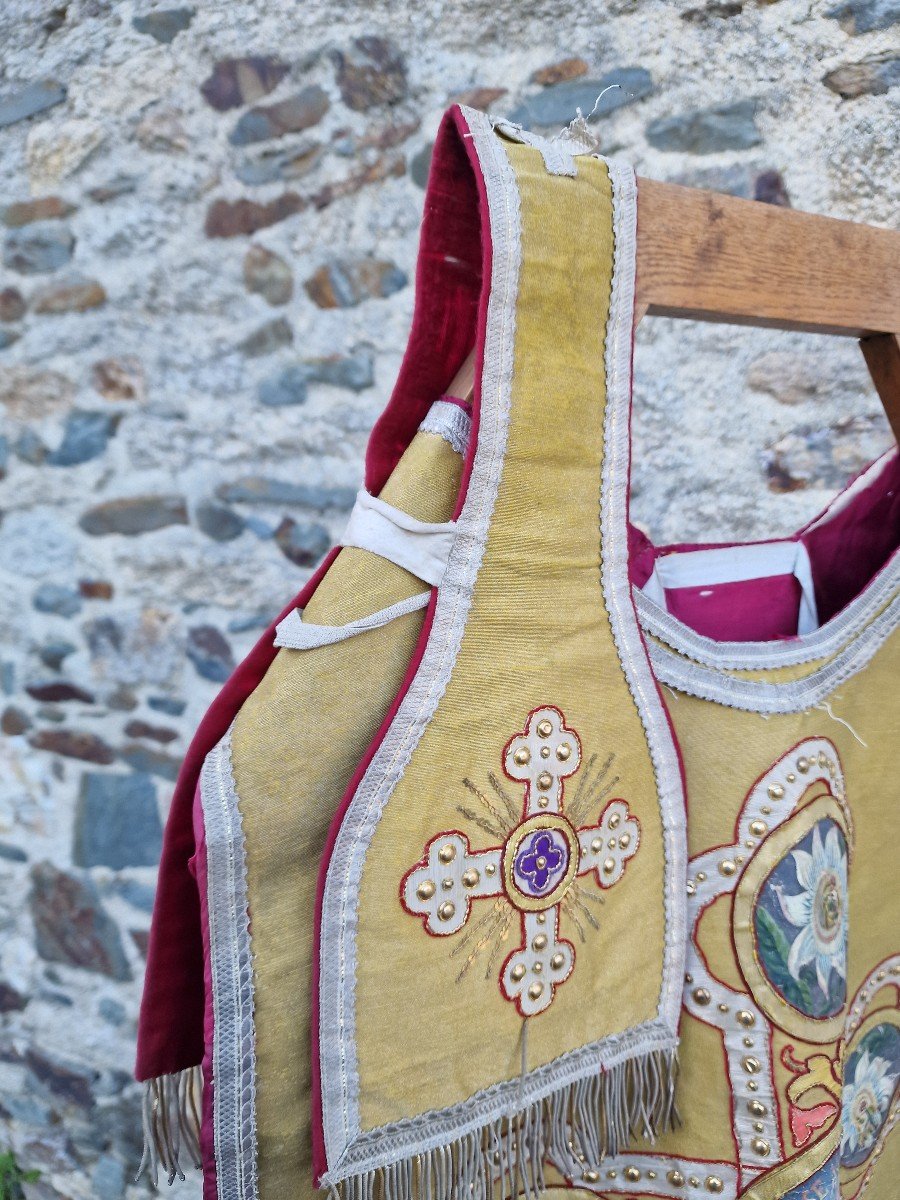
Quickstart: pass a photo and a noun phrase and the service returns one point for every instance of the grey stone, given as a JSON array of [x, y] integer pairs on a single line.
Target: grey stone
[[258, 489], [420, 165], [108, 1179], [559, 104], [210, 653], [237, 81], [371, 72], [709, 130], [8, 337], [267, 338], [354, 371], [292, 115], [304, 544], [134, 515], [267, 274], [345, 282], [29, 100], [260, 528], [117, 822], [219, 523], [11, 1000], [150, 762], [54, 598], [734, 179], [274, 163], [58, 691], [865, 16], [12, 853], [165, 704], [138, 895], [54, 653], [29, 448], [61, 1077], [286, 388], [113, 1012], [873, 76], [165, 24], [85, 436], [71, 926], [38, 249], [769, 188]]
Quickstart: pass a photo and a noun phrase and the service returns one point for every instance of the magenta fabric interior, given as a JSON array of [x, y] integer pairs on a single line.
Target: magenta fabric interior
[[847, 547]]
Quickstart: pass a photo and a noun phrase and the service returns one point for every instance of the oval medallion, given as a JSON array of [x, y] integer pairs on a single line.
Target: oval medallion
[[540, 860]]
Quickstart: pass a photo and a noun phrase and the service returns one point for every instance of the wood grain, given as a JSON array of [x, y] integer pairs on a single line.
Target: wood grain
[[882, 355]]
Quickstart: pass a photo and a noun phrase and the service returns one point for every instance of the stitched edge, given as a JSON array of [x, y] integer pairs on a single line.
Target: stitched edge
[[796, 695], [615, 582], [821, 643], [340, 1101], [234, 1055], [450, 422]]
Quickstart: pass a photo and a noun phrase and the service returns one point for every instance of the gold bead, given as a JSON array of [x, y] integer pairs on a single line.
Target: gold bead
[[759, 1127], [609, 865], [776, 791], [675, 1178], [517, 973], [693, 1181], [591, 1176], [766, 809], [447, 885], [701, 876], [545, 751], [490, 869], [651, 1174], [558, 961], [701, 996], [611, 1174], [802, 765], [470, 878], [447, 910], [544, 728], [563, 752], [447, 853], [751, 1065], [544, 780], [426, 889], [714, 1184], [759, 1145], [625, 841], [522, 756], [748, 1042], [614, 821], [727, 867], [539, 942], [752, 1085], [536, 991], [597, 845], [632, 1174], [543, 801], [723, 1008], [758, 828], [537, 967], [791, 777], [691, 888]]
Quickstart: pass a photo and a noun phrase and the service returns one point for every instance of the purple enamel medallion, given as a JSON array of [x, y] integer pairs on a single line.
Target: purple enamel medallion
[[541, 862]]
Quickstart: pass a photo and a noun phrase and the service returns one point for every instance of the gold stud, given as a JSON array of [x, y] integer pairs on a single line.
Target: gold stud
[[758, 828], [426, 889], [545, 751], [558, 961], [752, 1085], [776, 791], [447, 910], [751, 1065], [544, 728], [632, 1174], [766, 809], [693, 1181], [591, 1176], [490, 869], [536, 991], [701, 876], [541, 918], [747, 1019], [701, 996], [609, 865], [543, 801], [625, 841], [597, 845], [727, 867], [756, 1108], [714, 1184], [447, 885], [564, 752], [802, 764], [518, 972], [651, 1174], [537, 967], [748, 1042], [723, 1008], [759, 1145], [470, 878], [691, 888], [612, 1174], [447, 853], [522, 756], [758, 1127], [791, 777], [675, 1178], [539, 942], [544, 780], [614, 821]]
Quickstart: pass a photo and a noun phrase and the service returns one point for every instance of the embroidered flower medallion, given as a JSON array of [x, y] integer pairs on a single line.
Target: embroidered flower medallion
[[537, 870]]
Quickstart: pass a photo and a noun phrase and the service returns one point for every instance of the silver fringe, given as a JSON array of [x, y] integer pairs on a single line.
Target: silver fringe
[[585, 1121], [171, 1120]]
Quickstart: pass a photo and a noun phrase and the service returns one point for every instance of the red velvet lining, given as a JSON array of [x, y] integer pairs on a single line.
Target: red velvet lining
[[847, 545]]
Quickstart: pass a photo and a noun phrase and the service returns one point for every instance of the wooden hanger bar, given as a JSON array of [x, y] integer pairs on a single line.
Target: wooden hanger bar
[[710, 257]]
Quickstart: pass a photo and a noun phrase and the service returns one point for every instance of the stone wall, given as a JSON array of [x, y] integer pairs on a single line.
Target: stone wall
[[208, 218]]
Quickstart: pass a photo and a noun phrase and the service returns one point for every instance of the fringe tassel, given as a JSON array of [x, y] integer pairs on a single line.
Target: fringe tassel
[[171, 1120], [579, 1125]]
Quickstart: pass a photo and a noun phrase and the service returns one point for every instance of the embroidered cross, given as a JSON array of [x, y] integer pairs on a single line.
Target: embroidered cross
[[536, 872]]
